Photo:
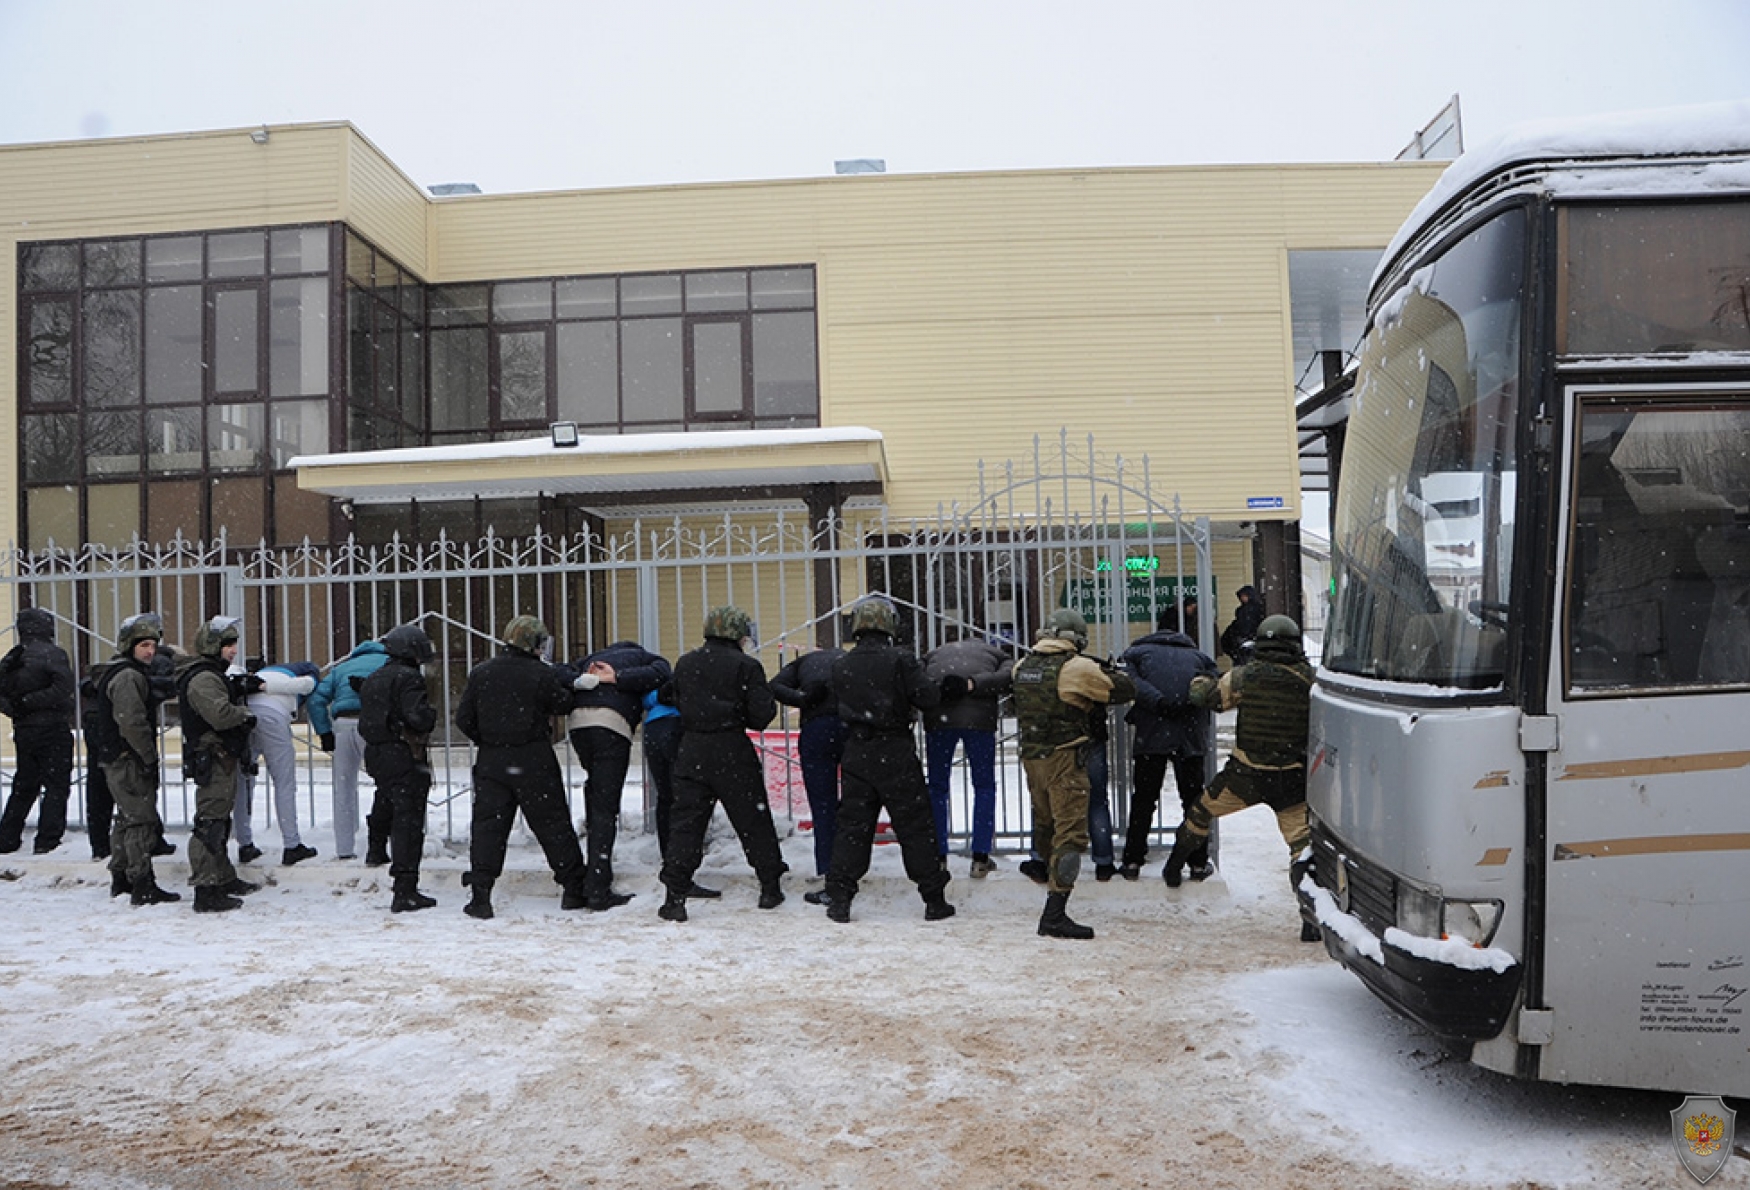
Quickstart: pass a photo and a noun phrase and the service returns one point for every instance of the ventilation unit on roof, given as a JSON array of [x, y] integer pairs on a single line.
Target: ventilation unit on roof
[[860, 165], [443, 189]]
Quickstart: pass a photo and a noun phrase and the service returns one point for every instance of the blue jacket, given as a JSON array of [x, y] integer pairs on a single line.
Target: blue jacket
[[1167, 724], [334, 694]]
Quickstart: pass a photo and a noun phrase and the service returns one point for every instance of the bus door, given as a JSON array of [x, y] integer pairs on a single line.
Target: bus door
[[1647, 924]]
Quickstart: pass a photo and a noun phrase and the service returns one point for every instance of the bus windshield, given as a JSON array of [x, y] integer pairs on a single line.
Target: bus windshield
[[1422, 530]]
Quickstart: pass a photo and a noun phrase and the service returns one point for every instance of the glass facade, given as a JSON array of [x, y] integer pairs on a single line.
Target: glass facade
[[165, 380]]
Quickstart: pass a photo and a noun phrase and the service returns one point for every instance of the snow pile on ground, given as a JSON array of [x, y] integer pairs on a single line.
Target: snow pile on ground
[[312, 1039]]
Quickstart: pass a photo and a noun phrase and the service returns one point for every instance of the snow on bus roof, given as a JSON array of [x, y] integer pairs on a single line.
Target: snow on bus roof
[[1659, 132]]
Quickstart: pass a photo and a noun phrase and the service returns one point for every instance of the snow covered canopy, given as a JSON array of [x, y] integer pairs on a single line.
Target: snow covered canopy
[[611, 469]]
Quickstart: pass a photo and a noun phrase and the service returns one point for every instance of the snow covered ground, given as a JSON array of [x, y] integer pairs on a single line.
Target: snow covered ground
[[312, 1039]]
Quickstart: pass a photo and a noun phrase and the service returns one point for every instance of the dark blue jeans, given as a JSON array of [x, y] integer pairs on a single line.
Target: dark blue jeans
[[820, 747], [981, 761]]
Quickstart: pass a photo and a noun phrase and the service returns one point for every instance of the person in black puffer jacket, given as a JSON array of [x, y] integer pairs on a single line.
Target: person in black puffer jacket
[[722, 694], [1169, 730], [880, 688], [36, 690]]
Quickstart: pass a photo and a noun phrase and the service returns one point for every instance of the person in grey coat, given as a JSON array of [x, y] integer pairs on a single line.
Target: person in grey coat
[[972, 675], [1169, 729]]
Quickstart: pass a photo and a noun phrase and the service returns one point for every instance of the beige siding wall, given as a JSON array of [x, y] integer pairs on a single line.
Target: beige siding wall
[[385, 206], [962, 316]]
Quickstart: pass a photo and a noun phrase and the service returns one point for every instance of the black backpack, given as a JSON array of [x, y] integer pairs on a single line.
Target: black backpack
[[103, 739]]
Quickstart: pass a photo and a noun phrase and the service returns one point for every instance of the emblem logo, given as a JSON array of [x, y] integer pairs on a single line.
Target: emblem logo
[[1701, 1132]]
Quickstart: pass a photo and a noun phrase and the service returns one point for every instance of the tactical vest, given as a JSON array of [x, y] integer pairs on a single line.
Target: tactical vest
[[194, 728], [103, 737], [1274, 703], [1047, 722]]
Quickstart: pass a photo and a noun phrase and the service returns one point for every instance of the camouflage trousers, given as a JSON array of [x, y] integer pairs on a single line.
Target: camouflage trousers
[[1058, 787], [1240, 786]]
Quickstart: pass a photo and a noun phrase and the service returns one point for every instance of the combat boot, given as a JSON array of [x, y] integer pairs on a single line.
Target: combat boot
[[480, 906], [240, 887], [1185, 846], [837, 910], [938, 909], [376, 854], [1036, 871], [147, 892], [573, 897], [673, 909], [119, 884], [1055, 922], [211, 898], [771, 896], [603, 901], [408, 898]]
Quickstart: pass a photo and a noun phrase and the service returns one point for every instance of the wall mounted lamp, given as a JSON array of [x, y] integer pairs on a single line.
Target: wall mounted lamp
[[259, 136], [565, 433]]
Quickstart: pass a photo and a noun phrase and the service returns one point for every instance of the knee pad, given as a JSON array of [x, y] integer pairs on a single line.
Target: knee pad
[[1067, 866]]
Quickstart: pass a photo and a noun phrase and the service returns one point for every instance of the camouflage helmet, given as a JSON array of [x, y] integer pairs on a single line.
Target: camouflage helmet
[[1278, 627], [214, 634], [409, 643], [527, 634], [874, 613], [728, 623], [1066, 623], [136, 628]]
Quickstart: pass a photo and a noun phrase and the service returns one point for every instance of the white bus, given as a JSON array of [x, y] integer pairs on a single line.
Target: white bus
[[1529, 768]]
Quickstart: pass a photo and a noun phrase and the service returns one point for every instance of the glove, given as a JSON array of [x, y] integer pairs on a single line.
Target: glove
[[249, 722], [326, 741], [356, 681], [253, 684], [955, 686], [586, 682]]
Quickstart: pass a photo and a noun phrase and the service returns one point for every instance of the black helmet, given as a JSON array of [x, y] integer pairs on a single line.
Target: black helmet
[[1278, 627], [409, 643], [216, 633]]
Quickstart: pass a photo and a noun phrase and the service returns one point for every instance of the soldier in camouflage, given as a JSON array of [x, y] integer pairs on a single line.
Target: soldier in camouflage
[[1055, 688], [215, 734], [1274, 695]]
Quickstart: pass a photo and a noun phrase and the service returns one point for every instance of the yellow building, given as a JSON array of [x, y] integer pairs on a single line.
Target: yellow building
[[276, 335]]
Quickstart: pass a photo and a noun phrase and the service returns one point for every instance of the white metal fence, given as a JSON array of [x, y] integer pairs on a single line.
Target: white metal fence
[[1068, 526]]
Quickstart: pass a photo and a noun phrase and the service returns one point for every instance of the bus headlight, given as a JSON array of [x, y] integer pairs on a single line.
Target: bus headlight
[[1427, 914], [1418, 910], [1471, 921]]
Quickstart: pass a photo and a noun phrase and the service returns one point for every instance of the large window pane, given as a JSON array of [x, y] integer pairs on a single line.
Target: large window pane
[[234, 434], [49, 354], [173, 344], [240, 506], [652, 371], [589, 374], [718, 377], [174, 259], [113, 262], [713, 292], [522, 301], [412, 378], [659, 294], [358, 260], [298, 428], [1642, 277], [51, 447], [48, 267], [361, 367], [236, 346], [298, 330], [300, 249], [53, 513], [1660, 557], [112, 443], [113, 513], [386, 350], [458, 380], [1422, 541], [522, 376], [173, 440], [237, 254], [112, 347], [785, 376]]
